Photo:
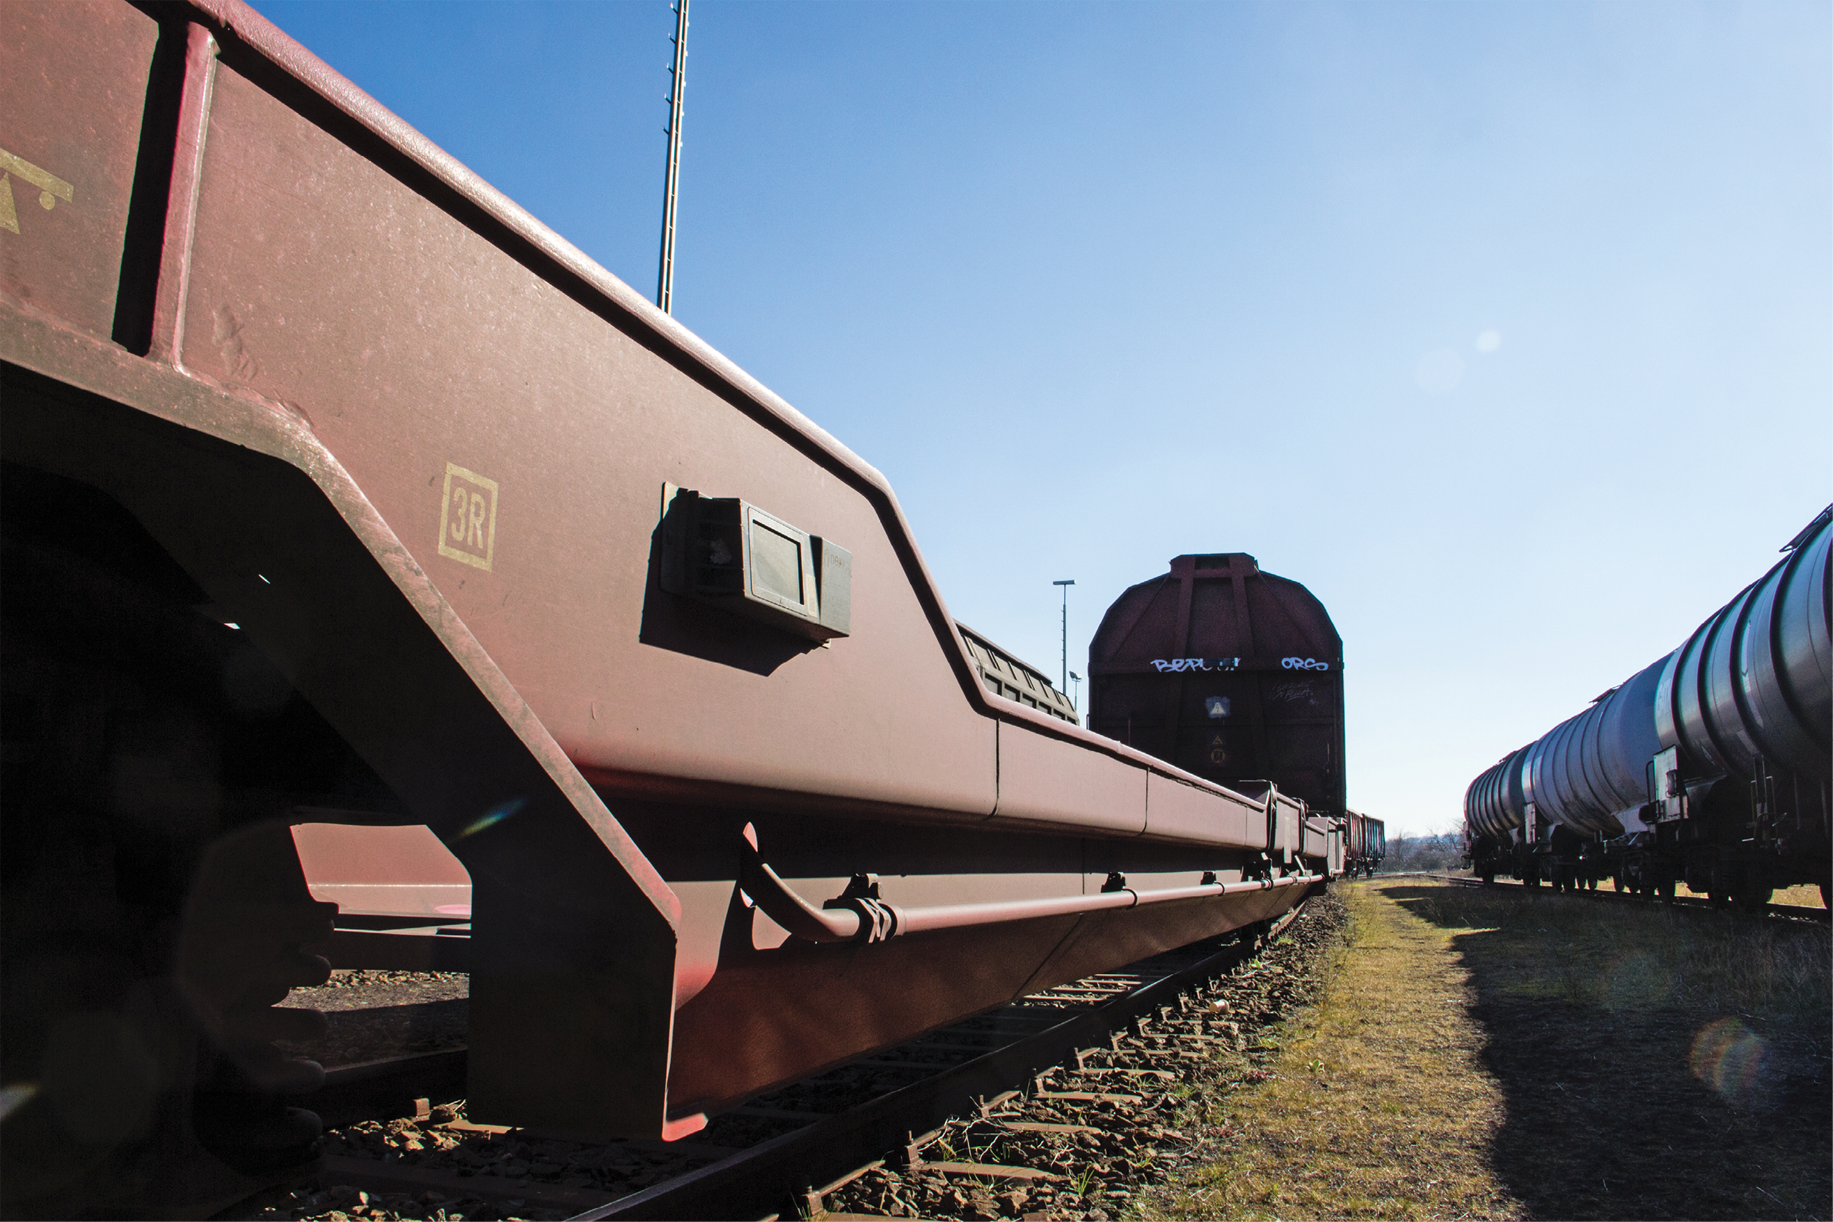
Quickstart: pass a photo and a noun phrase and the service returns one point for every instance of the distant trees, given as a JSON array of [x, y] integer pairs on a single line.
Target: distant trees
[[1431, 853]]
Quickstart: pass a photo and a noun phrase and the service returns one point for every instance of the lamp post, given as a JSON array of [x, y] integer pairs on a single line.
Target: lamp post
[[1065, 585], [1075, 700]]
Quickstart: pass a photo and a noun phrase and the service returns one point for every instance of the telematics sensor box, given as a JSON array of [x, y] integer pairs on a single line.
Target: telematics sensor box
[[733, 555]]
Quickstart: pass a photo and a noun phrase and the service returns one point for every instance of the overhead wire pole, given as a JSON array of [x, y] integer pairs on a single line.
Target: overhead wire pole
[[665, 277], [1065, 585]]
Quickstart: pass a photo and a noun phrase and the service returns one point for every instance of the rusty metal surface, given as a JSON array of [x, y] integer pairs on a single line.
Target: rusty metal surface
[[289, 285], [166, 338]]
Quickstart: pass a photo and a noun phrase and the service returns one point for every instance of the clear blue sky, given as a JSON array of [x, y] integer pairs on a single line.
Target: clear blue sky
[[1096, 285]]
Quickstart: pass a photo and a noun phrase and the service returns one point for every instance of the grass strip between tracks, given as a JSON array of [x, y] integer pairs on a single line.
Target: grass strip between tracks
[[1372, 1103], [1489, 1053]]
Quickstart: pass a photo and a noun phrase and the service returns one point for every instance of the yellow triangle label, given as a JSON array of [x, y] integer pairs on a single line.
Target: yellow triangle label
[[9, 219]]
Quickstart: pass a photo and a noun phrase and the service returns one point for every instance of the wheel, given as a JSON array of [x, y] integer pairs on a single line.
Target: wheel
[[1489, 878], [1591, 884], [152, 904], [1532, 880], [1753, 896], [1616, 882], [1664, 887]]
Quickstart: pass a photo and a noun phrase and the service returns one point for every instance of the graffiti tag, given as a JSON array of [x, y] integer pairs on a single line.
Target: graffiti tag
[[1295, 689], [1179, 665]]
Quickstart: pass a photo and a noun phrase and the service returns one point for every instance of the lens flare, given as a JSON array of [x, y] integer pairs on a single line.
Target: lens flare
[[12, 1098], [493, 816], [1728, 1056]]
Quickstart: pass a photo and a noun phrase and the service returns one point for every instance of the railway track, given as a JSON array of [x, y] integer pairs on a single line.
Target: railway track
[[1787, 912], [1050, 1076]]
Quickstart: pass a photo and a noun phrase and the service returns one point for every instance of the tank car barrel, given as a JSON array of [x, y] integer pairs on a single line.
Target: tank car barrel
[[1710, 765]]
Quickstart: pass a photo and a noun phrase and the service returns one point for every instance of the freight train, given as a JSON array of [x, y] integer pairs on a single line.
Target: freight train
[[1709, 767], [341, 498]]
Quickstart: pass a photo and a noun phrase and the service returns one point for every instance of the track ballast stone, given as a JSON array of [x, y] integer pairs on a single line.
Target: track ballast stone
[[1050, 1152], [1115, 1120]]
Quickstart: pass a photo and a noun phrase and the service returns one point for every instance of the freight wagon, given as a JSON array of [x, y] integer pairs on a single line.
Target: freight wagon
[[1364, 844], [1235, 675], [339, 492]]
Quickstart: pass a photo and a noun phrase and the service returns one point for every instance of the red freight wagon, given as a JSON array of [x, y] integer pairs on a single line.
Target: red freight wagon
[[337, 488], [1229, 671]]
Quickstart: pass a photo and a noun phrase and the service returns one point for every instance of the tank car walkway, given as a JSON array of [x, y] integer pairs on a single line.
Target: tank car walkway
[[1494, 1053]]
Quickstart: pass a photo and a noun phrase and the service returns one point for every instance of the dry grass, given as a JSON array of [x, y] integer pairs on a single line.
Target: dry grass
[[1805, 895], [1378, 1105], [1658, 1062], [1629, 959], [1501, 1053]]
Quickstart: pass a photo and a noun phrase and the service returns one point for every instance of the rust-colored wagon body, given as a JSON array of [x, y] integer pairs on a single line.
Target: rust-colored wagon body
[[1365, 843], [1229, 672], [339, 490]]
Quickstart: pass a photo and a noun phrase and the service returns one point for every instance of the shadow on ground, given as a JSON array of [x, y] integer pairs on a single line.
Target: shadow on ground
[[1635, 1085]]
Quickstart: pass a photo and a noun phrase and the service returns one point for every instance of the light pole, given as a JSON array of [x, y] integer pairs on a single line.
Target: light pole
[[1075, 701], [1065, 585]]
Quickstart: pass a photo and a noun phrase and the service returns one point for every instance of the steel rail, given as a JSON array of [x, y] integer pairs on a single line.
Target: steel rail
[[751, 1181], [387, 1087]]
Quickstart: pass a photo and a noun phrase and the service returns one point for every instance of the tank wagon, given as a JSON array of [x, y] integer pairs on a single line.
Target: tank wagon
[[339, 491], [1709, 766]]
